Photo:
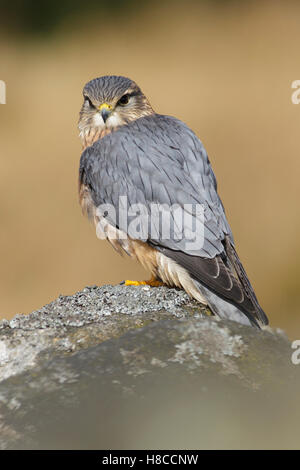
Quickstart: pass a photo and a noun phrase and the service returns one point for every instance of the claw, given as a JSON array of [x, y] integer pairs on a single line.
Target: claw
[[153, 282]]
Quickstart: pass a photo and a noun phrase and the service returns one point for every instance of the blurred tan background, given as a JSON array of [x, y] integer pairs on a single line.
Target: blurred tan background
[[225, 68]]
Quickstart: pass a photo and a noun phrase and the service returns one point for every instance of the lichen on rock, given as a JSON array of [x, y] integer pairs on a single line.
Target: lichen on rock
[[92, 364]]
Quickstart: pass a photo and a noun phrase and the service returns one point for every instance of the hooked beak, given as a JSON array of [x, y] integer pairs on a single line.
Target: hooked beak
[[105, 110]]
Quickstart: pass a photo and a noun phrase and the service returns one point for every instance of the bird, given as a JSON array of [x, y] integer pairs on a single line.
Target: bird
[[134, 157]]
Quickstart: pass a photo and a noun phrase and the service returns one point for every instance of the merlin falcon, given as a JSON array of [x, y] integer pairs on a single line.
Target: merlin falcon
[[134, 158]]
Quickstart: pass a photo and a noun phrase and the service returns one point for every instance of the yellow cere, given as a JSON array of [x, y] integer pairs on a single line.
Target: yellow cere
[[105, 106]]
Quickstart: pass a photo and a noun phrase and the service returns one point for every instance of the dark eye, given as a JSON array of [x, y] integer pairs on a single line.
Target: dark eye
[[124, 100], [87, 100]]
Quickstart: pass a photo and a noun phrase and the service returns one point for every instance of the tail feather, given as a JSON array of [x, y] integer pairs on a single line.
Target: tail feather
[[224, 309], [223, 282], [241, 273]]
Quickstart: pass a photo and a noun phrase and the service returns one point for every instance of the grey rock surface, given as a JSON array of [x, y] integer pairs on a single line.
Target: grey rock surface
[[139, 367]]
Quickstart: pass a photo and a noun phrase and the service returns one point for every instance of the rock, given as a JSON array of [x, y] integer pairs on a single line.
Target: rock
[[139, 367]]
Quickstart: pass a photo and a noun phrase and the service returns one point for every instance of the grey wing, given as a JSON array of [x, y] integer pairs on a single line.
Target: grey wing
[[158, 162], [159, 165]]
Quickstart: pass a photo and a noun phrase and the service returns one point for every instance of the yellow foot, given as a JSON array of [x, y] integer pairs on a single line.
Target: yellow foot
[[152, 282]]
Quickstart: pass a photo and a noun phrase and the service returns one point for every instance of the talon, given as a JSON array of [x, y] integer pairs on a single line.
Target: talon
[[153, 282], [134, 283]]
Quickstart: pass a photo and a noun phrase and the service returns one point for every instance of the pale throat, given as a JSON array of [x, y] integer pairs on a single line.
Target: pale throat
[[94, 128], [97, 129]]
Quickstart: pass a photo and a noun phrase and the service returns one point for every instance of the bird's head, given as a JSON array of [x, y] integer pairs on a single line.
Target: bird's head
[[110, 102]]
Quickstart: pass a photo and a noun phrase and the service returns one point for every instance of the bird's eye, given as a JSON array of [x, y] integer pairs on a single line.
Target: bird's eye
[[124, 100], [87, 100]]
